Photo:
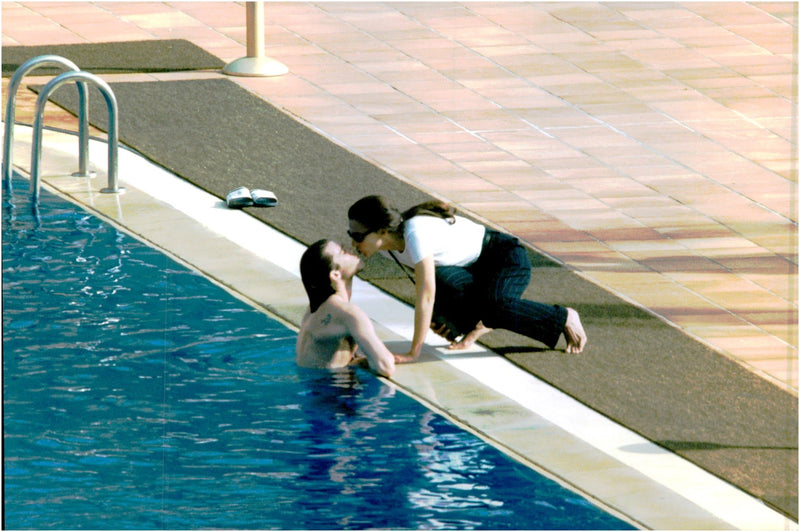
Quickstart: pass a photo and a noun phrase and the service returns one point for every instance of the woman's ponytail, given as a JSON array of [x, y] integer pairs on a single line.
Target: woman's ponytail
[[436, 208]]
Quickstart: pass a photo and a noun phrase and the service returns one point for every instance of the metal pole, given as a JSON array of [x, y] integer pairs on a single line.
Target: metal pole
[[255, 29], [256, 64], [113, 128], [83, 119]]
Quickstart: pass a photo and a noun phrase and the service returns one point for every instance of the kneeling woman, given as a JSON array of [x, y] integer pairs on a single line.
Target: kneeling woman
[[469, 277]]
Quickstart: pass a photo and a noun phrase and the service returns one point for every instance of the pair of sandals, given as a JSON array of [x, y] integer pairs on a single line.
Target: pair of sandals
[[244, 197]]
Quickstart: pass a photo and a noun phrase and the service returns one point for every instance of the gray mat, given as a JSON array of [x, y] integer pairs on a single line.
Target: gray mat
[[636, 370], [118, 57]]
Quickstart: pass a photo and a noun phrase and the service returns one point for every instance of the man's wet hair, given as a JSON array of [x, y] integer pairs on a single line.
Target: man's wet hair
[[315, 270]]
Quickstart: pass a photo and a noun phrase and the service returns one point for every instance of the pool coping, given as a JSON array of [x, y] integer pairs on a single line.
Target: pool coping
[[509, 408]]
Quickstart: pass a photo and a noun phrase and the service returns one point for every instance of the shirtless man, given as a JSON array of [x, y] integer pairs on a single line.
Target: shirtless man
[[333, 328]]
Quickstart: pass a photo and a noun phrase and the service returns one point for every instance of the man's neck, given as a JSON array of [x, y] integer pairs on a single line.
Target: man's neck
[[344, 289]]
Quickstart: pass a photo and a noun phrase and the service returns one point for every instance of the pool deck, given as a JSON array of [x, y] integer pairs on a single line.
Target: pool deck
[[665, 172]]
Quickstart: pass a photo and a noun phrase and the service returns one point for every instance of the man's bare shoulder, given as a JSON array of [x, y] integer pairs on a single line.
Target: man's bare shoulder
[[324, 339], [327, 320], [334, 309], [348, 311]]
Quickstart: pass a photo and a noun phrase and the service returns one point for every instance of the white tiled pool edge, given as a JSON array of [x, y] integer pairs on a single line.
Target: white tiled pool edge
[[672, 473]]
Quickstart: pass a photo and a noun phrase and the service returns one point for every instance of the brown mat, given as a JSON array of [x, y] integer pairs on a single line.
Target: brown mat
[[105, 58]]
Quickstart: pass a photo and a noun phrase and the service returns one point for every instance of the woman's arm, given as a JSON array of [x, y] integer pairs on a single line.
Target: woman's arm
[[425, 277]]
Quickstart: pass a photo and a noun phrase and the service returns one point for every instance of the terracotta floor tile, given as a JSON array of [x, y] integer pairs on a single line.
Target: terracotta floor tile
[[32, 32], [459, 144], [485, 119], [449, 100], [756, 347], [502, 211], [93, 32], [122, 9], [557, 116], [780, 285], [167, 19], [632, 232], [731, 246], [783, 369], [469, 198], [676, 305], [763, 263], [526, 184], [636, 206]]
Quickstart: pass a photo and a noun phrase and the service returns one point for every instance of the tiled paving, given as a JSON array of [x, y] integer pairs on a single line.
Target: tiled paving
[[652, 147]]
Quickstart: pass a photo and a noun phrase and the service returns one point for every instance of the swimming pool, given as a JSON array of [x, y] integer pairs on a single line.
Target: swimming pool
[[140, 395]]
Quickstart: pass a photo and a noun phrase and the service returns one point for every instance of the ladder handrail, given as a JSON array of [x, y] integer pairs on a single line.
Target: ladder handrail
[[113, 127], [13, 87]]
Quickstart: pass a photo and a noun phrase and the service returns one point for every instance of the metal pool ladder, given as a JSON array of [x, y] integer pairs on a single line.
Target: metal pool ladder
[[80, 78]]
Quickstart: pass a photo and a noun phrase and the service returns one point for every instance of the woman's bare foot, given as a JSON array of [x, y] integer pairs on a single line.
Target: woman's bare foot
[[574, 333], [470, 338]]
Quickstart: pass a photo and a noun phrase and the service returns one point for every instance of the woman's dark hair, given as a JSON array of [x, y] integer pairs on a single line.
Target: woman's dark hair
[[315, 270], [377, 212]]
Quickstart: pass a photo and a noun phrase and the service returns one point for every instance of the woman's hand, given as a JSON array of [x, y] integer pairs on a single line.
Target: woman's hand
[[406, 358]]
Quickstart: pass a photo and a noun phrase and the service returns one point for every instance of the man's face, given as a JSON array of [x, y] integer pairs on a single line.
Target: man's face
[[344, 260]]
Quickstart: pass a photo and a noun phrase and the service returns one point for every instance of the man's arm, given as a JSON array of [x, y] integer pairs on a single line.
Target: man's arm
[[380, 359]]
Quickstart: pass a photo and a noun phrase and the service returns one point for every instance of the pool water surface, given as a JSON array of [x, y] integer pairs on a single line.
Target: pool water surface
[[140, 395]]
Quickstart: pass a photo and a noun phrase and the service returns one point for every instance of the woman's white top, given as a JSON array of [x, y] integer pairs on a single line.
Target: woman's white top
[[450, 244]]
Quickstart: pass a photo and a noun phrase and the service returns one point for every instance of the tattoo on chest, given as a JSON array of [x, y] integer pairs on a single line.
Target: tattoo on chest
[[326, 320]]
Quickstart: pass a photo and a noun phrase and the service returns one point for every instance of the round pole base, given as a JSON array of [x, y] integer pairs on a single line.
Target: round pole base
[[107, 190], [90, 174], [255, 67]]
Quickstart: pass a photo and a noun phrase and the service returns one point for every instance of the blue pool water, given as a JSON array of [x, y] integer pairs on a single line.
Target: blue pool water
[[139, 395]]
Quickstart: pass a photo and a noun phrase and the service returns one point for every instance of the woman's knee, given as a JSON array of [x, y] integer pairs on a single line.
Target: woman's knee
[[508, 284], [453, 277], [518, 258]]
